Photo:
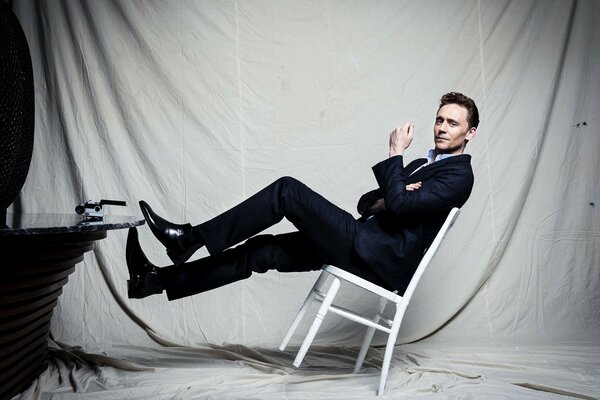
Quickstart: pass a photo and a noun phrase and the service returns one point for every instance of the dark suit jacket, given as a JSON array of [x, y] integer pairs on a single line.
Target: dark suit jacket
[[392, 242]]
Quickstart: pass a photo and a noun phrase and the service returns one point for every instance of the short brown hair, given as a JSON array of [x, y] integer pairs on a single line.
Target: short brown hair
[[464, 101]]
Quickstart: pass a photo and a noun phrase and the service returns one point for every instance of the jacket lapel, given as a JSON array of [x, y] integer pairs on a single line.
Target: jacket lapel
[[413, 165]]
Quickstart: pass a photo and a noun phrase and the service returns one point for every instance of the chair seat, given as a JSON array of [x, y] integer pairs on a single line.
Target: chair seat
[[363, 283]]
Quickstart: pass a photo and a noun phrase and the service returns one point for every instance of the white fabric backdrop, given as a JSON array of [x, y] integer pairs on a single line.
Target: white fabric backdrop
[[195, 105]]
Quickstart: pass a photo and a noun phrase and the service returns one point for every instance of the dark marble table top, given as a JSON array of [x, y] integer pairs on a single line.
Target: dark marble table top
[[43, 224]]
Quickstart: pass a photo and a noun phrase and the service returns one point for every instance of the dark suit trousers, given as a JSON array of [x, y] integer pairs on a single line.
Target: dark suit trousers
[[325, 235]]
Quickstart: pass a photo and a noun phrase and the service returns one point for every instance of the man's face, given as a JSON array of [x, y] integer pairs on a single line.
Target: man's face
[[451, 129]]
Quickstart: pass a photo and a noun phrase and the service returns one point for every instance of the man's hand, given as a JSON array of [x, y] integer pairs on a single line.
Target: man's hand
[[379, 204], [400, 139], [413, 186]]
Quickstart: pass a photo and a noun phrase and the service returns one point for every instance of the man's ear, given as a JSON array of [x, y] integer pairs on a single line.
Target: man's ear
[[471, 133]]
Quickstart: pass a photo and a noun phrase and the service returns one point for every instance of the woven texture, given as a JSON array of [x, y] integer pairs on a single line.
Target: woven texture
[[16, 107]]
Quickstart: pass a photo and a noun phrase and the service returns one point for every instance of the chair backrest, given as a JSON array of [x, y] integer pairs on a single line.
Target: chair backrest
[[430, 253], [393, 296]]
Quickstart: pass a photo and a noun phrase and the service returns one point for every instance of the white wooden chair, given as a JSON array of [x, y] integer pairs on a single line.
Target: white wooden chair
[[375, 322]]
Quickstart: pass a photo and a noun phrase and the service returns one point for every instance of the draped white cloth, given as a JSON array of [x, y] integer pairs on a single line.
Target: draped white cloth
[[195, 105]]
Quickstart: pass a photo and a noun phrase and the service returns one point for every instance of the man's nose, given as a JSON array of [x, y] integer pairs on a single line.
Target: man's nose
[[444, 126]]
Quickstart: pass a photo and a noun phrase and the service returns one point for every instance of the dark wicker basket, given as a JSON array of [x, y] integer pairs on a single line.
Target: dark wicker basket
[[16, 107]]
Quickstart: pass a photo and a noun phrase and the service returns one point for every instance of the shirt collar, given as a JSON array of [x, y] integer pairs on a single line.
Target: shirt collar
[[431, 159], [439, 157]]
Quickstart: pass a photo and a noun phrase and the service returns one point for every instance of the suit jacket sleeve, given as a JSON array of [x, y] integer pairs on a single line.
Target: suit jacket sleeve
[[367, 200], [450, 187]]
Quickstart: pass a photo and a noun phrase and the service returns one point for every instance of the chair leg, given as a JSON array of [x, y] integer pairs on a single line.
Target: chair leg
[[333, 289], [363, 349], [307, 303], [369, 336], [389, 348]]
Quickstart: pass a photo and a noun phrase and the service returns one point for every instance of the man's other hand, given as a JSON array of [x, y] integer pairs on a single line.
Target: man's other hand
[[413, 186], [400, 139], [378, 206]]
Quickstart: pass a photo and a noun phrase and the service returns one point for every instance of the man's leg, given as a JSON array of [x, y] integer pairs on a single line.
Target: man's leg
[[289, 252], [329, 229]]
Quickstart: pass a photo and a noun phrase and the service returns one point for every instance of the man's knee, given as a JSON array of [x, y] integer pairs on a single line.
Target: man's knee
[[288, 181], [291, 187], [288, 190]]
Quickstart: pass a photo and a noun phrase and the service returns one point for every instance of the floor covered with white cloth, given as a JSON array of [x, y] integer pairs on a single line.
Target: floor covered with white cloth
[[424, 370]]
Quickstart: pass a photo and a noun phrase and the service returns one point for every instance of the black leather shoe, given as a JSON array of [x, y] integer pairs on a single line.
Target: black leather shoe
[[143, 275], [168, 233]]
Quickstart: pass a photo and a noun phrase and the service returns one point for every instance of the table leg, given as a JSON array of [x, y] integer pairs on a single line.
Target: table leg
[[34, 268]]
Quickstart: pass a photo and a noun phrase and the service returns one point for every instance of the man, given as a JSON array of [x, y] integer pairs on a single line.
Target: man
[[399, 220]]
